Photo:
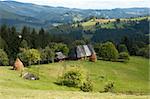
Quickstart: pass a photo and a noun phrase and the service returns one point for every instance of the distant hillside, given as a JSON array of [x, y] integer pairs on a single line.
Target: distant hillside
[[100, 30], [19, 14]]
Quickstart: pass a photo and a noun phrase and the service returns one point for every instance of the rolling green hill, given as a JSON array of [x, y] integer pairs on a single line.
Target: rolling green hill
[[129, 78], [110, 23]]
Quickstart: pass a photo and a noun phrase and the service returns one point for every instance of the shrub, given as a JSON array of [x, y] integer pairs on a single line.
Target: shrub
[[73, 77], [122, 48], [144, 52], [109, 86], [124, 56], [87, 86], [108, 51], [30, 56], [76, 77], [3, 58]]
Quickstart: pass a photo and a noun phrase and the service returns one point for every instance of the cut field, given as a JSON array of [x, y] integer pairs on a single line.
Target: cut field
[[129, 78]]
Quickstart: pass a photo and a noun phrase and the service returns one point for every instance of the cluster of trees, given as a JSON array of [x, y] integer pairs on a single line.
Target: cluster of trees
[[19, 43], [45, 55], [108, 51], [30, 46]]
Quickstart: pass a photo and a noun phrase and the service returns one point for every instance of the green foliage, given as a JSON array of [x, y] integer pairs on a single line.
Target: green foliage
[[108, 51], [47, 54], [3, 58], [24, 44], [122, 48], [78, 42], [56, 47], [2, 43], [26, 34], [73, 77], [97, 48], [76, 77], [30, 56], [63, 48], [11, 40], [87, 86], [144, 51], [124, 56], [109, 87]]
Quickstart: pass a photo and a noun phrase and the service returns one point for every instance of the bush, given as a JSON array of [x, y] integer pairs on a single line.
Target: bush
[[124, 56], [87, 86], [122, 48], [30, 56], [76, 77], [108, 51], [73, 77], [3, 58], [144, 52], [109, 87]]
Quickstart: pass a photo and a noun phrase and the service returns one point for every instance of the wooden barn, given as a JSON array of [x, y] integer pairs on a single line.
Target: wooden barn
[[83, 52]]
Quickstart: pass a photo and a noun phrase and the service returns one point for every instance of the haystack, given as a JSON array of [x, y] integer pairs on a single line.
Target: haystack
[[93, 58], [18, 65]]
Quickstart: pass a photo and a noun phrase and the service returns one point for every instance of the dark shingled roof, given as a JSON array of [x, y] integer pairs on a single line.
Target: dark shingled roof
[[83, 51]]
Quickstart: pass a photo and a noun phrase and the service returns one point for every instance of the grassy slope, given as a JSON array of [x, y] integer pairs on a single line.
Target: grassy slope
[[108, 23], [132, 76]]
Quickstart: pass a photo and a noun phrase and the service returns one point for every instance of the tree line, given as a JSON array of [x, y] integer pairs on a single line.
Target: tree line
[[17, 44]]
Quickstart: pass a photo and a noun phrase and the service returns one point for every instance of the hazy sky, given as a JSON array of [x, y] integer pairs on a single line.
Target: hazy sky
[[91, 4]]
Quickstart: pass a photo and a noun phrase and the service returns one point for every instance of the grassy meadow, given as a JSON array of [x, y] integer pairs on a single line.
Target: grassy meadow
[[131, 80]]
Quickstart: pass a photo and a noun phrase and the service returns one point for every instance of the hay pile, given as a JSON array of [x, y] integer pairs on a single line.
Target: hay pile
[[18, 65]]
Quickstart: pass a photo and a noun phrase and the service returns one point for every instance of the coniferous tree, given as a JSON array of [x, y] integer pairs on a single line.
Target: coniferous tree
[[34, 40]]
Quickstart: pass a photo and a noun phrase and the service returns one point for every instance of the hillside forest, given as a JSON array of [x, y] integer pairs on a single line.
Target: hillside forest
[[130, 35]]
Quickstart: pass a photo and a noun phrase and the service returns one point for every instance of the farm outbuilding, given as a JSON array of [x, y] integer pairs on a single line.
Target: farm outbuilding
[[83, 52], [59, 56], [30, 76]]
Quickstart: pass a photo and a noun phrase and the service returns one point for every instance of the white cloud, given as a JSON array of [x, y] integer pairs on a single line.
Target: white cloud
[[94, 4]]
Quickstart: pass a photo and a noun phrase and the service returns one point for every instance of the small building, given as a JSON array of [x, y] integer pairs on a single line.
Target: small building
[[30, 76], [83, 52], [59, 56]]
